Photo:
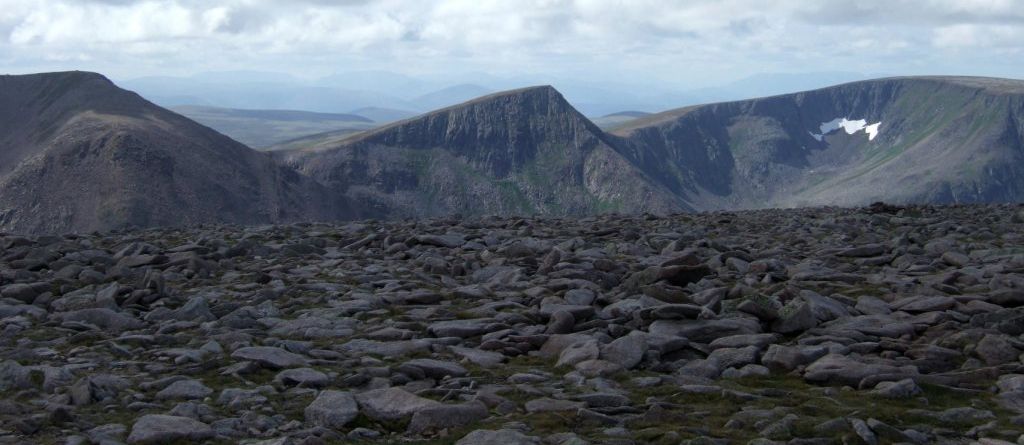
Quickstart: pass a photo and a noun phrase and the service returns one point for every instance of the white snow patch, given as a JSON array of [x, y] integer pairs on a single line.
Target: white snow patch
[[850, 126], [872, 130]]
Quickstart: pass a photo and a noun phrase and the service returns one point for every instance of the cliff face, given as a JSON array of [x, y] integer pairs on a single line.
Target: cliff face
[[519, 152], [937, 140], [79, 154]]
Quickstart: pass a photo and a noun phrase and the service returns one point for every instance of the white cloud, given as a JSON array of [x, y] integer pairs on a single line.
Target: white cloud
[[979, 36], [661, 39]]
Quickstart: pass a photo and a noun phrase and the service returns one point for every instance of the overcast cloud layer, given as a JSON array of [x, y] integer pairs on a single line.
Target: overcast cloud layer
[[670, 42]]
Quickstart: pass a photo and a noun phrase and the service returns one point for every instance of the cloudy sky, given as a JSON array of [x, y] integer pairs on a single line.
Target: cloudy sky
[[670, 42]]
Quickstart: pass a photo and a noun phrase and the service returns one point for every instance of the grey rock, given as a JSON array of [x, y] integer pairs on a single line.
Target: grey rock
[[835, 368], [384, 348], [24, 292], [870, 305], [312, 327], [498, 437], [196, 309], [486, 359], [13, 376], [561, 322], [1011, 392], [161, 429], [626, 351], [764, 308], [391, 404], [437, 369], [555, 344], [956, 259], [996, 350], [885, 432], [824, 308], [780, 429], [448, 241], [964, 414], [703, 368], [444, 416], [579, 352], [303, 377], [580, 297], [547, 404], [603, 399], [464, 328], [735, 357], [597, 368], [1013, 297], [761, 341], [924, 304], [903, 389], [21, 309], [187, 389], [795, 317], [332, 409], [579, 312], [674, 312], [875, 325], [270, 357], [102, 318], [863, 431], [746, 371], [787, 358], [704, 331], [866, 250], [97, 388]]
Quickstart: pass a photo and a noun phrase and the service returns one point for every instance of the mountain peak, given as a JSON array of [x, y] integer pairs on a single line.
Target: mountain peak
[[531, 92], [522, 151], [513, 111]]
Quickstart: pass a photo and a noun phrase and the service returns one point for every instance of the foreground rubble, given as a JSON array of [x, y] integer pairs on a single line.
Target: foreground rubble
[[872, 325]]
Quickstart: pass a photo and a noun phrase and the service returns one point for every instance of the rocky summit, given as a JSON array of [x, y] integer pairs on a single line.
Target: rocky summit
[[871, 325]]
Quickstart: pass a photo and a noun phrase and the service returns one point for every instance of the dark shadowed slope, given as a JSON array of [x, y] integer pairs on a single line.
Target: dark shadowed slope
[[78, 153], [937, 140], [525, 151]]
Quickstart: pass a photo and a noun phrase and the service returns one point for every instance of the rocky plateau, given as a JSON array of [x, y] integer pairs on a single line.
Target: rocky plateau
[[878, 324]]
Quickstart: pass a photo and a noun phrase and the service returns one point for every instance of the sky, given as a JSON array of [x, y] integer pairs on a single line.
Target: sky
[[664, 42]]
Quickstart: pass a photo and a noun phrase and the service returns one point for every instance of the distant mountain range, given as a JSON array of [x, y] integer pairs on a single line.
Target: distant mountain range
[[79, 154], [349, 92]]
